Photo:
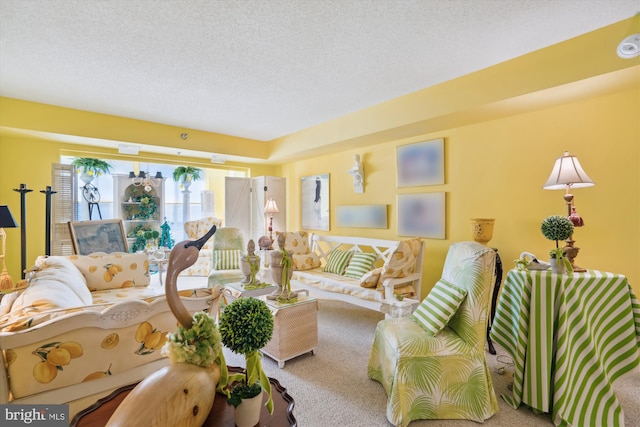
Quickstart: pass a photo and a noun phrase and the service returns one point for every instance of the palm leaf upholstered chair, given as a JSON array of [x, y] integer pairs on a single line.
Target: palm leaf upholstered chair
[[432, 364], [228, 246], [195, 230]]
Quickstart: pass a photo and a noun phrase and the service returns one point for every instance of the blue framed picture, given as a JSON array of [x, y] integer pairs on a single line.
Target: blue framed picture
[[421, 163]]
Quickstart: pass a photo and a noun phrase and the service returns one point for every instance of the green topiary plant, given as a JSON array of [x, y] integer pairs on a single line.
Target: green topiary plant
[[556, 227], [246, 325]]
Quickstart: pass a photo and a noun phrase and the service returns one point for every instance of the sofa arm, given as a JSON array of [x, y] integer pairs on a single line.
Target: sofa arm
[[389, 285]]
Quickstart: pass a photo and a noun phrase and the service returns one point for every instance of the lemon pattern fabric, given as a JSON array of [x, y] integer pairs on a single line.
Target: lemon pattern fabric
[[438, 307], [337, 262], [114, 270], [360, 264], [444, 376]]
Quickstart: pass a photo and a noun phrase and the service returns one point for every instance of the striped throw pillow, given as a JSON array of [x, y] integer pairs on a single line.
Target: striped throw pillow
[[359, 264], [337, 261], [226, 259], [438, 307]]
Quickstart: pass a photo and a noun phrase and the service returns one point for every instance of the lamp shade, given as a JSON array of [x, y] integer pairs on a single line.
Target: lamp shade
[[271, 207], [6, 219], [567, 171]]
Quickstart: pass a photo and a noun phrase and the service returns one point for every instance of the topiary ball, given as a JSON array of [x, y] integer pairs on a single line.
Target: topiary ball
[[246, 325], [556, 227]]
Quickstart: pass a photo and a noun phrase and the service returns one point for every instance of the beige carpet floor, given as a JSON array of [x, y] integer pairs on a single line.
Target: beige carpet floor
[[331, 387]]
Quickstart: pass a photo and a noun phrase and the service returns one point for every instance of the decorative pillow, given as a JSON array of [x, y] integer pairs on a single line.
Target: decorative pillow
[[370, 279], [360, 263], [438, 307], [297, 242], [226, 259], [305, 261], [337, 261], [114, 270], [403, 261]]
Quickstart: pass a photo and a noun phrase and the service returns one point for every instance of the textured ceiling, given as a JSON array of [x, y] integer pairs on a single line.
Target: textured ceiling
[[264, 69]]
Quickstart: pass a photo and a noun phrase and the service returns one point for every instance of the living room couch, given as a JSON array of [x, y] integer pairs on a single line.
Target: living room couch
[[86, 324], [358, 270]]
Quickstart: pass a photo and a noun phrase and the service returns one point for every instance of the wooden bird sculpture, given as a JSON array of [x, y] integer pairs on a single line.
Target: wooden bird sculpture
[[180, 394]]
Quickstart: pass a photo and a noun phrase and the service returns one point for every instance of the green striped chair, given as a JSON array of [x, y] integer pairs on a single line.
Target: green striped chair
[[432, 365], [228, 246]]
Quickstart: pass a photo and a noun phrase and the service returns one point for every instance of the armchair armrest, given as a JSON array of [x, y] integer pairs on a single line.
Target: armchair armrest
[[390, 284]]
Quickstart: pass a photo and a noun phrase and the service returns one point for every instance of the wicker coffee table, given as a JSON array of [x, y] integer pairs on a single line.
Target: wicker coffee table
[[295, 329]]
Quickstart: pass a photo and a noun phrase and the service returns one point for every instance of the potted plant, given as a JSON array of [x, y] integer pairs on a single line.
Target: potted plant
[[246, 325], [89, 167], [556, 227], [186, 174]]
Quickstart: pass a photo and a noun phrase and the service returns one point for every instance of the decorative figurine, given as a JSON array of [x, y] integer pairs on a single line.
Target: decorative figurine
[[250, 265], [281, 272]]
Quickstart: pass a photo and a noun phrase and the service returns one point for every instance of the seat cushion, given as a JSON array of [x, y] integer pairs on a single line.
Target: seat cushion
[[438, 307]]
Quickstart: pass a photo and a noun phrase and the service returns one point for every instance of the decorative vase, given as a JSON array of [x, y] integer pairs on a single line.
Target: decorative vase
[[557, 267], [482, 229], [247, 413], [276, 276]]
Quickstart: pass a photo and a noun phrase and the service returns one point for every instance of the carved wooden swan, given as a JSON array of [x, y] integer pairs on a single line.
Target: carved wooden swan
[[180, 394]]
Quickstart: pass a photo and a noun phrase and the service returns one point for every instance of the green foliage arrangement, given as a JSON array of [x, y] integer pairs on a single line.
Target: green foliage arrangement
[[200, 345], [246, 325], [91, 166], [186, 173], [556, 227]]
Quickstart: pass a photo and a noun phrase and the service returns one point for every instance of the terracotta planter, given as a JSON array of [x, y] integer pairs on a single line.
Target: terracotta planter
[[247, 413]]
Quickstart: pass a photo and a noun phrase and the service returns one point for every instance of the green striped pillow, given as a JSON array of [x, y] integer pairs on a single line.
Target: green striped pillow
[[226, 259], [438, 307], [360, 264], [337, 261]]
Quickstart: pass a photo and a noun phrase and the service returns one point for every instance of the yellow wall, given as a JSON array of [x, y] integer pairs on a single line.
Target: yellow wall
[[497, 168]]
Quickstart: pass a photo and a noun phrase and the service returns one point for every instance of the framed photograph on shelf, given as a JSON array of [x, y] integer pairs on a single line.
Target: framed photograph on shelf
[[422, 215], [98, 236], [315, 202], [363, 216], [421, 163]]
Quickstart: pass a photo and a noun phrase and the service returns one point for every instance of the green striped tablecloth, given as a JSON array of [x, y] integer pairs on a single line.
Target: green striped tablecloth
[[570, 337]]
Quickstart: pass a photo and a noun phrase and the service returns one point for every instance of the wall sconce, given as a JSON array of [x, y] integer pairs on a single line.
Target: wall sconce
[[567, 173], [357, 172], [270, 208], [144, 179]]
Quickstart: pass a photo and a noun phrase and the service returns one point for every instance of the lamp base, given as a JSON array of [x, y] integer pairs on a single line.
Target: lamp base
[[572, 253]]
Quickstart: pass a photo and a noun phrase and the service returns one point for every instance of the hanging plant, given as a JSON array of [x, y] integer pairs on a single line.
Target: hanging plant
[[186, 173], [91, 166]]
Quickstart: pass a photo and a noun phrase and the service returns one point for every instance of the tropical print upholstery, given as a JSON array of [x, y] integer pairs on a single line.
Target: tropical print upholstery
[[194, 230], [444, 376]]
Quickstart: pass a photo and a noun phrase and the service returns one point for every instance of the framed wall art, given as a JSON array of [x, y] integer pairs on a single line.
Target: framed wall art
[[422, 215], [421, 163], [98, 236], [315, 202], [364, 216]]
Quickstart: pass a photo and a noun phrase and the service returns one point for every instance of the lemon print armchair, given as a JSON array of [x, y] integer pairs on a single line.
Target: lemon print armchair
[[432, 364], [228, 246], [195, 230]]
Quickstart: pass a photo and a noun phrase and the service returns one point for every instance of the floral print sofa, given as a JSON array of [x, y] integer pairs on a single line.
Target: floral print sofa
[[84, 325]]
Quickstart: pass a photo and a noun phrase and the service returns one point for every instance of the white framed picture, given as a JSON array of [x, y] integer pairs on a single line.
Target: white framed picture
[[420, 163], [422, 215], [315, 202]]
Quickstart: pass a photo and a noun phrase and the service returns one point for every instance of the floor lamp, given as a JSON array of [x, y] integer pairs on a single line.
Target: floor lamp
[[270, 208], [567, 173], [6, 221]]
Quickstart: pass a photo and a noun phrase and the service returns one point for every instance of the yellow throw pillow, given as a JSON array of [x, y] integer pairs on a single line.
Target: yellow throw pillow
[[370, 279], [297, 242], [403, 261], [305, 261], [114, 270]]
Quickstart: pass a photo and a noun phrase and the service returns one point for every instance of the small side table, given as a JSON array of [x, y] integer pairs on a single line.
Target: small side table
[[160, 263], [397, 308], [295, 329]]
